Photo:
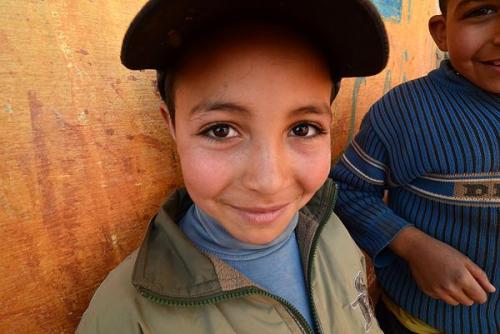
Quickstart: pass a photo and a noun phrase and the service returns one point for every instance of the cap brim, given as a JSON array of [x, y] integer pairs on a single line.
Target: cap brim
[[351, 32]]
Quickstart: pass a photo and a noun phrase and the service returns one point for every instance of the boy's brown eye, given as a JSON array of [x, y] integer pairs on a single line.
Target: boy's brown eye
[[220, 131], [306, 130], [483, 11], [301, 130]]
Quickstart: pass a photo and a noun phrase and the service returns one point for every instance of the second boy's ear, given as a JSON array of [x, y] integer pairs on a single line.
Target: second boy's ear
[[437, 28], [168, 120]]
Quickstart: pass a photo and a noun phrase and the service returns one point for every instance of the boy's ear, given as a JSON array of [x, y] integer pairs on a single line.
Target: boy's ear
[[168, 120], [437, 28]]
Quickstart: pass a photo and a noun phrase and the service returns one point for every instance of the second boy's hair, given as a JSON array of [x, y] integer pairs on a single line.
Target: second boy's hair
[[442, 5]]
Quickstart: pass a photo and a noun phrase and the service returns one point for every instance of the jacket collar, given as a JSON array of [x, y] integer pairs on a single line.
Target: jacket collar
[[169, 266]]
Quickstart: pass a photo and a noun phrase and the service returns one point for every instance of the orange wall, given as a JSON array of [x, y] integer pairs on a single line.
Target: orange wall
[[85, 158]]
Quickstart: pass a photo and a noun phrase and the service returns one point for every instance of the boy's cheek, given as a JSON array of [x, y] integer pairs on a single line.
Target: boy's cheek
[[313, 169], [206, 169], [208, 173]]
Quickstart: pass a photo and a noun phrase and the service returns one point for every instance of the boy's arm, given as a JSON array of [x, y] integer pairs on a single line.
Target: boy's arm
[[439, 270], [362, 175]]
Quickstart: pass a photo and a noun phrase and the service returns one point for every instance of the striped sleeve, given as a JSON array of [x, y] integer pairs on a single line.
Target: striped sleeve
[[362, 175]]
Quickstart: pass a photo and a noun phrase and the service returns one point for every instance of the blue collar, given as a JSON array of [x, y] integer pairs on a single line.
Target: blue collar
[[211, 237]]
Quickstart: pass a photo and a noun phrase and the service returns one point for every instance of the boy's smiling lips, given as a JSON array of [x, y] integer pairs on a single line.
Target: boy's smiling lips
[[493, 64], [260, 214]]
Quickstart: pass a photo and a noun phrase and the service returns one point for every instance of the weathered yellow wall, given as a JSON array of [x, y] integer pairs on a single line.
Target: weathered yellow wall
[[84, 156]]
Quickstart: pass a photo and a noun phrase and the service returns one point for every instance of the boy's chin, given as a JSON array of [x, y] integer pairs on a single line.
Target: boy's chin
[[490, 86], [258, 237], [487, 77], [493, 89]]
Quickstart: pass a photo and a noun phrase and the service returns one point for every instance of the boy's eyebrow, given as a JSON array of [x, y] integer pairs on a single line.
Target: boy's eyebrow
[[464, 2], [208, 106], [319, 109]]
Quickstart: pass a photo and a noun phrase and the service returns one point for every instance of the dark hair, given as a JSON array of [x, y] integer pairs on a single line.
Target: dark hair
[[442, 6], [165, 83]]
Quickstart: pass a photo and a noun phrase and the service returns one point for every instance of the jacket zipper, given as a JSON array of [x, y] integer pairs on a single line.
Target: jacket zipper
[[331, 200], [229, 295], [254, 290]]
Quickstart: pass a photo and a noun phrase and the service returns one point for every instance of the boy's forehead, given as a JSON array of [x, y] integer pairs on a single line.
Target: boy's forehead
[[237, 67], [454, 4], [467, 1]]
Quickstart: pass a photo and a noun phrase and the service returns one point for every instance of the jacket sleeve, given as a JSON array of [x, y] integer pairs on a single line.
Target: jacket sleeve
[[106, 319], [114, 308], [363, 174]]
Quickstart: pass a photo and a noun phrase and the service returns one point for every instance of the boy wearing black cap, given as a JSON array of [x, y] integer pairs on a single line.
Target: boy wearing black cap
[[433, 143], [251, 245]]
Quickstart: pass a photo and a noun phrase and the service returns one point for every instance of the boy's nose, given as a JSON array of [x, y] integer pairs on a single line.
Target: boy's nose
[[267, 169]]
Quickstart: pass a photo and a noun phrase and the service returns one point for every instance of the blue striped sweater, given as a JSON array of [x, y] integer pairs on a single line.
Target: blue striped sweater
[[433, 143]]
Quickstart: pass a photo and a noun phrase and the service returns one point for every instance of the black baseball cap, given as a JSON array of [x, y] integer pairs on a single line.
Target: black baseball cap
[[350, 32]]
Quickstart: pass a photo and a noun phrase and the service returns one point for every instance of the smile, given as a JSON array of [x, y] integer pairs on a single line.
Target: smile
[[492, 64], [260, 215]]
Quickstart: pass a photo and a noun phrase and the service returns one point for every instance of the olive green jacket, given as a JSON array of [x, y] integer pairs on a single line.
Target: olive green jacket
[[169, 286]]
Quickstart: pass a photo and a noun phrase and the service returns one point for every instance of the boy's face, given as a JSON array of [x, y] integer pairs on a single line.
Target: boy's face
[[470, 32], [252, 129]]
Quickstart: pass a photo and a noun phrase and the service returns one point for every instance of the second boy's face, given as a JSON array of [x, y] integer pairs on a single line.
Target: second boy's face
[[473, 41], [252, 129]]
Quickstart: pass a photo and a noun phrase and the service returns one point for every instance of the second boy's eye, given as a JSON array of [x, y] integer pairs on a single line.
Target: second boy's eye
[[220, 131], [483, 11], [305, 130]]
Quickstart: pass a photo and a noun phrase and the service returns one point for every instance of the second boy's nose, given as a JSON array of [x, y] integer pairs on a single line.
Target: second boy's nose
[[496, 33]]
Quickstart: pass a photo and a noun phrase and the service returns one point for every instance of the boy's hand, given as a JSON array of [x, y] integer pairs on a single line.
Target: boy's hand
[[440, 270]]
